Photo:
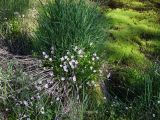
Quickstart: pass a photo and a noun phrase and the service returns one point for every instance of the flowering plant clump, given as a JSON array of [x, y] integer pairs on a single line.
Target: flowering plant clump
[[77, 68]]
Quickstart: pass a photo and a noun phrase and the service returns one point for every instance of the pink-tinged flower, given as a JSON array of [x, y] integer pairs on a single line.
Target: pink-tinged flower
[[65, 68], [73, 63], [74, 78], [51, 73]]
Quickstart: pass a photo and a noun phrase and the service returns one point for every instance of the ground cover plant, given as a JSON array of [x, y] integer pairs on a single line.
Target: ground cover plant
[[79, 60]]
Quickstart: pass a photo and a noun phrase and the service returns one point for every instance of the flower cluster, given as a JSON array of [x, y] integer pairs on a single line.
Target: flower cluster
[[75, 65]]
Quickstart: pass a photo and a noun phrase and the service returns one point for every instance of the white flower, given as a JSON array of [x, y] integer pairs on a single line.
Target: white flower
[[52, 52], [95, 55], [65, 68], [42, 110], [94, 71], [38, 96], [153, 115], [68, 59], [57, 99], [40, 82], [25, 103], [32, 98], [50, 59], [44, 68], [158, 102], [46, 86], [76, 48], [65, 57], [62, 78], [100, 71], [51, 73], [104, 98], [61, 65], [7, 109], [62, 59], [76, 62], [88, 83], [109, 75], [46, 56], [72, 57], [74, 78], [52, 48], [93, 59], [44, 53], [16, 13], [68, 53], [126, 108], [73, 63], [23, 16], [93, 82], [91, 67], [91, 44], [97, 58], [80, 51], [95, 85]]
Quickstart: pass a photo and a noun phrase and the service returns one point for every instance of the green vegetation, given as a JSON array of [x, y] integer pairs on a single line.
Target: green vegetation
[[60, 27], [88, 61]]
